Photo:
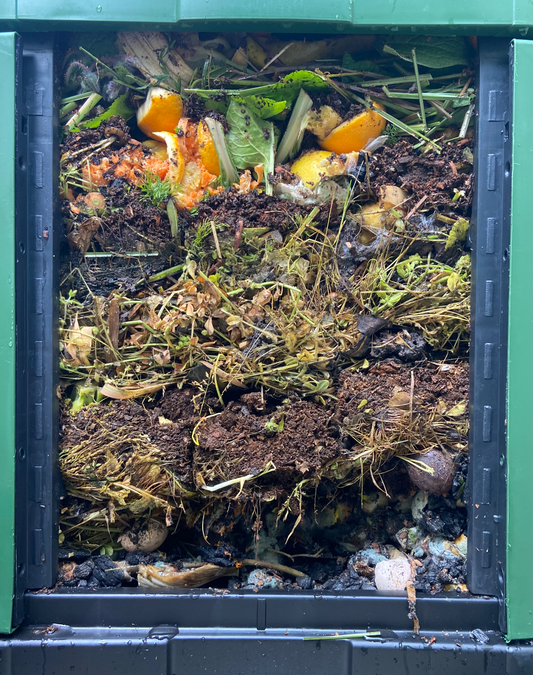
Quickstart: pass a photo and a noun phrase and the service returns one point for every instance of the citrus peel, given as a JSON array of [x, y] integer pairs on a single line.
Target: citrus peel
[[161, 111], [355, 133], [313, 166], [176, 163], [207, 150]]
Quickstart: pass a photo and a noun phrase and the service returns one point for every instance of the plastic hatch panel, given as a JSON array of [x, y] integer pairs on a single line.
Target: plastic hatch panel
[[519, 582], [8, 48], [510, 17]]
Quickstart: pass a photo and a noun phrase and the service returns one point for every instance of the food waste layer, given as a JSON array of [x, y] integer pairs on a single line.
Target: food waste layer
[[265, 310]]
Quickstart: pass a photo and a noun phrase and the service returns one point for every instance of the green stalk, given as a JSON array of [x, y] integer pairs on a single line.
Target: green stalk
[[84, 110], [426, 96], [228, 172], [395, 80], [397, 123], [173, 218], [292, 138], [466, 121], [77, 97], [66, 109], [419, 88]]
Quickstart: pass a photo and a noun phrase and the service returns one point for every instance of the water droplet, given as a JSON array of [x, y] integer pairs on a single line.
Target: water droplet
[[163, 632], [99, 8]]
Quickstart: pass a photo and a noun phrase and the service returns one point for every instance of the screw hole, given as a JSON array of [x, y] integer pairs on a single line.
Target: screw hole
[[22, 163], [21, 569], [505, 255], [22, 453], [22, 248]]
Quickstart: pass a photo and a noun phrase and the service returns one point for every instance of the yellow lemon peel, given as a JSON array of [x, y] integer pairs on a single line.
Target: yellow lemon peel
[[318, 164]]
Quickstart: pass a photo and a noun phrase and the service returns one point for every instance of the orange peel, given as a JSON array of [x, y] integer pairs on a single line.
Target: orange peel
[[354, 134], [176, 163], [161, 111], [207, 150]]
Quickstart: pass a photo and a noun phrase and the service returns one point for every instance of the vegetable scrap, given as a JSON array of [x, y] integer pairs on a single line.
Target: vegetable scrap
[[265, 311]]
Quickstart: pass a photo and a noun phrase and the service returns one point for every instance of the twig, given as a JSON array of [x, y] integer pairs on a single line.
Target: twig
[[215, 237], [273, 566], [440, 109], [276, 57], [465, 88], [416, 207], [466, 121], [238, 234]]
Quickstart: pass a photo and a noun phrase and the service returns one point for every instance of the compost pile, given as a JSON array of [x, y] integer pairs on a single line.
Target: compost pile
[[264, 309]]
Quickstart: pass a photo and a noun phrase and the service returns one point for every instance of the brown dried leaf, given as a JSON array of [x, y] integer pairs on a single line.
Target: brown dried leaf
[[113, 322]]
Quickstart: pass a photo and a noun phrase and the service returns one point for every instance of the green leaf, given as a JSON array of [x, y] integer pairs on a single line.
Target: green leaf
[[118, 107], [261, 106], [289, 87], [251, 140], [433, 52], [350, 64]]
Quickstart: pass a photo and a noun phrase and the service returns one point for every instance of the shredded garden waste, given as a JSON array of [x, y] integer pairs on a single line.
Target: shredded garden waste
[[264, 309]]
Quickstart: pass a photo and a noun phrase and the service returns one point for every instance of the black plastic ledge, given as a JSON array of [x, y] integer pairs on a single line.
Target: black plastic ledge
[[134, 632]]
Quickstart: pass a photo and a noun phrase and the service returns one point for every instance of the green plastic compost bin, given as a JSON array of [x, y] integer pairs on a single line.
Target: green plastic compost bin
[[132, 632]]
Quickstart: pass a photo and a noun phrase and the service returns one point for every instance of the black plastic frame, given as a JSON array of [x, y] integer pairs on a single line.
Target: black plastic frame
[[490, 232], [130, 630], [37, 274]]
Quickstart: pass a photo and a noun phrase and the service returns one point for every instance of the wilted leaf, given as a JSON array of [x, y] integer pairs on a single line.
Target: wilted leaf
[[400, 400], [263, 297], [458, 410], [81, 238], [113, 322], [368, 325], [453, 281], [433, 52]]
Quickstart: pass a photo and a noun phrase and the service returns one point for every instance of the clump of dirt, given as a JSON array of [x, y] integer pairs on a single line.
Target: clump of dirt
[[297, 438], [79, 140], [141, 452], [447, 383]]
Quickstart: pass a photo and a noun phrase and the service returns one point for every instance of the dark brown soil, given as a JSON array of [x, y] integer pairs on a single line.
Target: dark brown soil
[[256, 210], [172, 439], [238, 441], [431, 175], [448, 383], [114, 126]]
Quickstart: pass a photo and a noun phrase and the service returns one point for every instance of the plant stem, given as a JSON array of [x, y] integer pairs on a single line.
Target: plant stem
[[419, 87], [161, 275], [84, 110]]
